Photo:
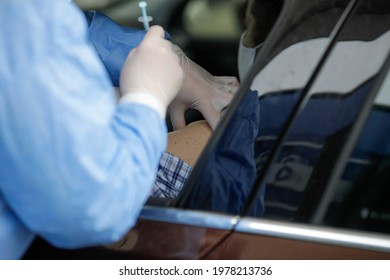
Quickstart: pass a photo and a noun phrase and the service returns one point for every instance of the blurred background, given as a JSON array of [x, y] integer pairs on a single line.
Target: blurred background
[[207, 30]]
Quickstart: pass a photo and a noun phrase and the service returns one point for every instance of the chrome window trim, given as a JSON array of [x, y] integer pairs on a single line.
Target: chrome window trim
[[188, 217], [311, 233], [287, 230]]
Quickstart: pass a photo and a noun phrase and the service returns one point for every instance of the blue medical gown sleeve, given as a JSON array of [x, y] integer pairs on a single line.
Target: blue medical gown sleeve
[[76, 167], [14, 236], [112, 41]]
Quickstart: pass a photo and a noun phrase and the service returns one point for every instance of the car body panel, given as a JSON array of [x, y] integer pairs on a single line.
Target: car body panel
[[164, 233], [262, 247], [183, 234]]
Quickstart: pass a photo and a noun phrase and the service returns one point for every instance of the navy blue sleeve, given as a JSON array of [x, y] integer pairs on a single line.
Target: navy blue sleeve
[[226, 179]]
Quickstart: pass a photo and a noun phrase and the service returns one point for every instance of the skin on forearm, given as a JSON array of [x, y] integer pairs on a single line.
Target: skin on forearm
[[188, 143]]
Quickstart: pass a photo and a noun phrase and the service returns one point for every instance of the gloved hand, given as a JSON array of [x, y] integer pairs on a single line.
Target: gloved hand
[[201, 91], [152, 74]]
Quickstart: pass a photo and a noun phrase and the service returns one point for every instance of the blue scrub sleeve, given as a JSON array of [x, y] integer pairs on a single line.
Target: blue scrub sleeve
[[14, 236], [76, 168], [113, 42]]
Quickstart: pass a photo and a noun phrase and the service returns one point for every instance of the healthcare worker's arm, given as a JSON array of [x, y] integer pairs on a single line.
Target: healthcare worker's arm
[[75, 167]]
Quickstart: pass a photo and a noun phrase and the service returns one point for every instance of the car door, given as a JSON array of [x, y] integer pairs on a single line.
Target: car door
[[326, 176]]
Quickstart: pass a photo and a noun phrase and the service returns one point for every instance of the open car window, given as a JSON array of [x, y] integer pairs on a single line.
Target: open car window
[[332, 165], [223, 178]]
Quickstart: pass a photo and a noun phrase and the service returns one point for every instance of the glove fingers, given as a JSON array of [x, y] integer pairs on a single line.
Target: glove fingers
[[210, 114], [155, 32], [227, 88], [228, 80], [176, 113]]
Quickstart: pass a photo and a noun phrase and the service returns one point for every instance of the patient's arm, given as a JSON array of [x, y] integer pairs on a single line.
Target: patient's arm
[[188, 143]]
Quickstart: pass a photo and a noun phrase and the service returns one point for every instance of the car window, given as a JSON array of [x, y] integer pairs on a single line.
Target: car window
[[358, 199], [332, 167], [223, 178]]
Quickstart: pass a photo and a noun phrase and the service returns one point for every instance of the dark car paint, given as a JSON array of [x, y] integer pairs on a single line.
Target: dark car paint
[[250, 246]]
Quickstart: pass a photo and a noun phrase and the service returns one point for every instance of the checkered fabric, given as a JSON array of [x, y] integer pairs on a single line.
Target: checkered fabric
[[172, 173]]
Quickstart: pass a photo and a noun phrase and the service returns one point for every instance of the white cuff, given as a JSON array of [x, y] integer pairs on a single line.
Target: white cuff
[[145, 99]]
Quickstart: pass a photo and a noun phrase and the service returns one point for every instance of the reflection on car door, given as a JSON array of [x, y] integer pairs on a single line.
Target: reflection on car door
[[333, 203]]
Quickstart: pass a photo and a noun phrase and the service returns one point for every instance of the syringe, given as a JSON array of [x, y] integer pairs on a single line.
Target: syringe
[[144, 18]]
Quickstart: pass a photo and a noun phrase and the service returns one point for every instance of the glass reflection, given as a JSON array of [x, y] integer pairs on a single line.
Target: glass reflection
[[224, 181], [360, 199], [297, 186]]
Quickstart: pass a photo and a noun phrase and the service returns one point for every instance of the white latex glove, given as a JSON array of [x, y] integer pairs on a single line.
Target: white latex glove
[[201, 91], [152, 74]]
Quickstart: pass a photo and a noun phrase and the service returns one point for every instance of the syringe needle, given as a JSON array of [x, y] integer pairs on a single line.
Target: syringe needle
[[145, 18]]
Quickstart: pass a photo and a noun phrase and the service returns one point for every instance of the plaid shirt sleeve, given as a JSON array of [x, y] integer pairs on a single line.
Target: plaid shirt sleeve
[[172, 173]]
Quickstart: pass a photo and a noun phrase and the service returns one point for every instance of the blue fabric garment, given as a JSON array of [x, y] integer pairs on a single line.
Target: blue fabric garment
[[113, 42], [75, 167], [226, 179]]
